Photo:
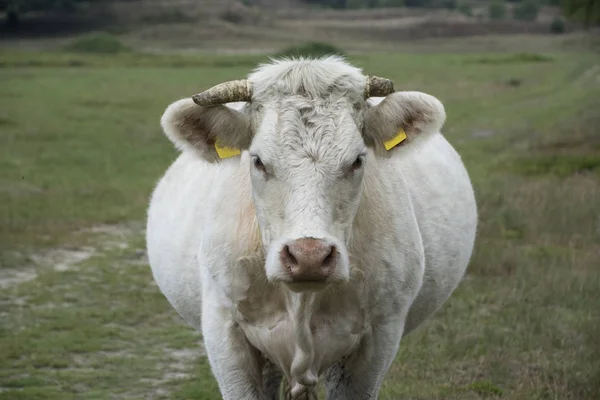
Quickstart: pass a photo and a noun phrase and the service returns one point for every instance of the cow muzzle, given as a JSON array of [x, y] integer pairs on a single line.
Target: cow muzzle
[[308, 260], [307, 263]]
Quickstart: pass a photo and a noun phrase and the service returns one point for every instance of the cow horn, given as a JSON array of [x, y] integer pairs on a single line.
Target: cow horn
[[226, 92], [378, 87]]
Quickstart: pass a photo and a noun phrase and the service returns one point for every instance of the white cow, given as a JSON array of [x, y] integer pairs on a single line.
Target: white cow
[[342, 221]]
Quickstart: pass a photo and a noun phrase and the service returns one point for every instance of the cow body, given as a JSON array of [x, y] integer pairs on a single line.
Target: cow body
[[408, 245]]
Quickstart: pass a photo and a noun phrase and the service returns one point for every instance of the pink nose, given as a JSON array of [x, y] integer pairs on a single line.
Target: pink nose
[[308, 260]]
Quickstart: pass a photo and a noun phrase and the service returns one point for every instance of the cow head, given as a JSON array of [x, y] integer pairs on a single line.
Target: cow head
[[310, 132]]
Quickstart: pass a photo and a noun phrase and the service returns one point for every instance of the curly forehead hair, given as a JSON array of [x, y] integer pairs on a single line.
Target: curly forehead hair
[[323, 78]]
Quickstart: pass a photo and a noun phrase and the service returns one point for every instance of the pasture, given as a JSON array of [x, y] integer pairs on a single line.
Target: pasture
[[81, 148]]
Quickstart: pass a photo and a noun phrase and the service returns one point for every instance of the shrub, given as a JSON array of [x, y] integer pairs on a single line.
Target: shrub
[[418, 3], [232, 16], [465, 7], [97, 43], [391, 3], [448, 4], [311, 49], [355, 4], [527, 10], [169, 16], [517, 58], [497, 9], [558, 25]]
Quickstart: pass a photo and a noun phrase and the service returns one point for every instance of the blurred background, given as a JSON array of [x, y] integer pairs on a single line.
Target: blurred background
[[83, 85]]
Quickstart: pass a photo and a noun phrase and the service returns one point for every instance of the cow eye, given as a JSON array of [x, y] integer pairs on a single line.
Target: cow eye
[[357, 163], [258, 164]]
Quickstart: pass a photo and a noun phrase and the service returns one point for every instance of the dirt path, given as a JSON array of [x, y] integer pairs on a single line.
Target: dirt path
[[89, 319]]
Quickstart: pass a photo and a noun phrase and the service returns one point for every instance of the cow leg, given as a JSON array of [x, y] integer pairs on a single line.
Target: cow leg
[[271, 376], [236, 365], [359, 376]]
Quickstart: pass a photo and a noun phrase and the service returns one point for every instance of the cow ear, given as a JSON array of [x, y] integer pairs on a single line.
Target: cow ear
[[211, 132], [400, 119]]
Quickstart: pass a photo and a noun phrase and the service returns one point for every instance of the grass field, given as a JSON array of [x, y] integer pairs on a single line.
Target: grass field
[[81, 148]]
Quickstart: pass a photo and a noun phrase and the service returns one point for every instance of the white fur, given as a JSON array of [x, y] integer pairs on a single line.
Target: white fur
[[404, 226]]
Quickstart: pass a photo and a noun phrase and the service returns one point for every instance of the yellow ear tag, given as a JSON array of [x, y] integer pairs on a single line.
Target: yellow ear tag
[[226, 152], [396, 140]]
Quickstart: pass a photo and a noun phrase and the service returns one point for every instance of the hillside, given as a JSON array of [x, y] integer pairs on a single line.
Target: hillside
[[231, 26]]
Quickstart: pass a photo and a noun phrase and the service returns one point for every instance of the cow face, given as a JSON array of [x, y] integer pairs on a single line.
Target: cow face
[[310, 134], [307, 165]]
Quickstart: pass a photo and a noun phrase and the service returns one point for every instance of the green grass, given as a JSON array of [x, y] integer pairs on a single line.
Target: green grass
[[81, 146], [66, 59], [514, 59], [100, 42], [311, 49]]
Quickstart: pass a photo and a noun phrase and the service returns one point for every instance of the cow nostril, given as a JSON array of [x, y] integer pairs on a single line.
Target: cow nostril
[[330, 257], [289, 256]]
